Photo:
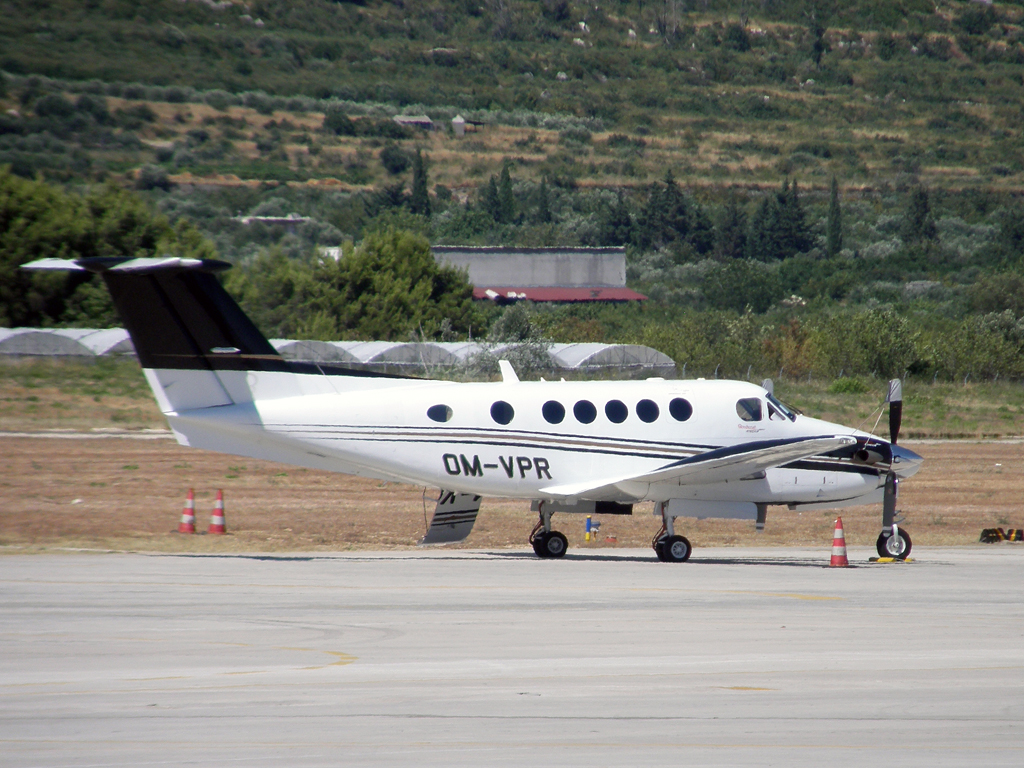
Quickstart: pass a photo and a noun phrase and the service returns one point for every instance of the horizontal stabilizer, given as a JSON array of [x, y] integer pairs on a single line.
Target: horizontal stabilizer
[[454, 517], [718, 465]]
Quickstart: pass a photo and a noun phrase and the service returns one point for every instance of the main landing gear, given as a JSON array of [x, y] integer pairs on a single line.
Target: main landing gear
[[546, 542], [669, 547]]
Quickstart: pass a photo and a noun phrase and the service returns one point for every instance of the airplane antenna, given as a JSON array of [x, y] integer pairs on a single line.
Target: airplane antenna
[[508, 373]]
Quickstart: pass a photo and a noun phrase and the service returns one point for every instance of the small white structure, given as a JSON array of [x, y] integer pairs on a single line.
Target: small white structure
[[459, 125]]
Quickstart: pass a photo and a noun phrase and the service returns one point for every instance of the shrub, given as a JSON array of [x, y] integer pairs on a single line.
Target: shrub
[[55, 105], [338, 123], [96, 106], [220, 100], [394, 159], [848, 386]]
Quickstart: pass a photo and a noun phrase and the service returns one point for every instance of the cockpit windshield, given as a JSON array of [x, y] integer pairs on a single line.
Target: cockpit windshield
[[785, 410]]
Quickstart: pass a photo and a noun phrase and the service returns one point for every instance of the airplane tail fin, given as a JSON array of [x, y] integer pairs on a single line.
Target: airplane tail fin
[[177, 313], [187, 330]]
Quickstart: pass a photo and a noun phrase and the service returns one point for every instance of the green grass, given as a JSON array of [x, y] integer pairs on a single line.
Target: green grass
[[106, 377]]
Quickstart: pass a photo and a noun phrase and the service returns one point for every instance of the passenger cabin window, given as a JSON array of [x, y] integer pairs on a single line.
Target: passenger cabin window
[[616, 411], [502, 412], [749, 409], [680, 409], [584, 411], [647, 410], [553, 412], [439, 413]]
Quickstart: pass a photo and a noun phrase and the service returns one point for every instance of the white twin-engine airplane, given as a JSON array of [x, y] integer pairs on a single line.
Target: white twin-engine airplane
[[726, 449]]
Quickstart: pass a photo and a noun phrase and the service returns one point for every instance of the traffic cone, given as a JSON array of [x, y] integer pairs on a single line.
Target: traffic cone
[[188, 515], [217, 519], [839, 545]]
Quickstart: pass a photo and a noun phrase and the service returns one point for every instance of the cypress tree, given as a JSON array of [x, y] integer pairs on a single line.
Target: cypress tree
[[616, 225], [490, 200], [506, 200], [834, 238], [731, 234], [543, 203], [917, 222], [419, 201]]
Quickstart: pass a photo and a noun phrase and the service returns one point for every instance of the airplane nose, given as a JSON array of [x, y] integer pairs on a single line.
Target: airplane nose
[[905, 462]]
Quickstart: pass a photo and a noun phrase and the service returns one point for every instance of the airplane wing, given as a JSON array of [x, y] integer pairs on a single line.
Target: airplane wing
[[718, 465]]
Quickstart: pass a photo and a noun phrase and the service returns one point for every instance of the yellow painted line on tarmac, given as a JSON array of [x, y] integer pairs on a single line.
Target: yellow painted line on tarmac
[[344, 659]]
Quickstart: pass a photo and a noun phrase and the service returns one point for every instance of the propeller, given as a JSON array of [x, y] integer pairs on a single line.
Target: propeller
[[895, 401]]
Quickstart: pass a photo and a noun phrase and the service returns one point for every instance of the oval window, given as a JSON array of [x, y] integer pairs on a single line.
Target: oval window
[[553, 412], [616, 411], [749, 409], [439, 413], [680, 409], [584, 411], [502, 412], [647, 410]]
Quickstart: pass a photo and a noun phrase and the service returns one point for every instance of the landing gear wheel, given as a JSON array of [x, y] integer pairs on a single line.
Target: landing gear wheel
[[898, 548], [552, 544], [675, 549], [659, 549]]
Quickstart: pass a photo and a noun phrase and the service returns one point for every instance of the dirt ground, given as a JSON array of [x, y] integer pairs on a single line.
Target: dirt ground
[[128, 494]]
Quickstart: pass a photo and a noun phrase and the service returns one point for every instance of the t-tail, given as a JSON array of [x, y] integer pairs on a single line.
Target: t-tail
[[197, 347]]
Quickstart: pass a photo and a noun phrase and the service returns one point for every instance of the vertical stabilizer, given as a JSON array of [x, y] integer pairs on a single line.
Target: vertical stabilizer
[[186, 329]]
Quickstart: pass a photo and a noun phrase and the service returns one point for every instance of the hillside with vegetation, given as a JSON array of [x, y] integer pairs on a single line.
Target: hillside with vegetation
[[814, 188]]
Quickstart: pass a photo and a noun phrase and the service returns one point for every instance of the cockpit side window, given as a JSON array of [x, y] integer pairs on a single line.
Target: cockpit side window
[[749, 409], [777, 406]]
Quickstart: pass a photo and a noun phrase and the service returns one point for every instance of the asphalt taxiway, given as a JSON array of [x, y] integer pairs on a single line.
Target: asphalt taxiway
[[608, 658]]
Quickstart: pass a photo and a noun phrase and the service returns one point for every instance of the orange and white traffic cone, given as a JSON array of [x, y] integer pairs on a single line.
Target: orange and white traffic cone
[[188, 515], [839, 545], [217, 519]]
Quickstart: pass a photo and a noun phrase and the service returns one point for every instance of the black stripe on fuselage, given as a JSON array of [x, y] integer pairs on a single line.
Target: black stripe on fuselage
[[462, 434], [594, 448]]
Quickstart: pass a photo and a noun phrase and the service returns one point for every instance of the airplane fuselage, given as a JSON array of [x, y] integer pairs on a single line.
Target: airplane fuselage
[[528, 439]]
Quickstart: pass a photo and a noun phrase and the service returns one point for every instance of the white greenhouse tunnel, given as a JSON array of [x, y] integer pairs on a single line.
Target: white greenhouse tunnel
[[410, 356]]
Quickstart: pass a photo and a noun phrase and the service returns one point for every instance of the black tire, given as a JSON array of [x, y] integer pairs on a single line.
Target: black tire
[[659, 548], [538, 545], [555, 545], [676, 549], [898, 550]]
